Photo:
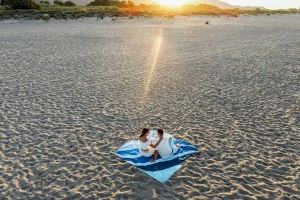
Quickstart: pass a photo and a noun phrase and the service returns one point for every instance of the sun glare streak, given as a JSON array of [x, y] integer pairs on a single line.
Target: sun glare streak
[[172, 3], [155, 55]]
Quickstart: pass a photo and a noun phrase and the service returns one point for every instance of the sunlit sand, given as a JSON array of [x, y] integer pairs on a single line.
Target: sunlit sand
[[153, 61], [72, 92]]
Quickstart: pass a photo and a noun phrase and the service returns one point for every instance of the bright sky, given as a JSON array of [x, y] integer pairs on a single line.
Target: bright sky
[[272, 4]]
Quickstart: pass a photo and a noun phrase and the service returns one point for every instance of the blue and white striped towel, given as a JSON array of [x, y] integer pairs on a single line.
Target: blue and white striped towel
[[163, 168]]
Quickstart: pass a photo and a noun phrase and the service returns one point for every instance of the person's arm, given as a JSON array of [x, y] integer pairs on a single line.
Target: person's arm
[[155, 145]]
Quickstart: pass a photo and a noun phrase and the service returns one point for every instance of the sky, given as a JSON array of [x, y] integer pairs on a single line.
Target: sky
[[272, 4]]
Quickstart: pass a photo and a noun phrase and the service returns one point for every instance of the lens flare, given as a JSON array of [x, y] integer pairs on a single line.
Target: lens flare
[[155, 55], [172, 3]]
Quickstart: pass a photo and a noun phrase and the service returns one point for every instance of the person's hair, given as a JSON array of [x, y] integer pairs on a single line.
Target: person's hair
[[160, 131], [144, 132]]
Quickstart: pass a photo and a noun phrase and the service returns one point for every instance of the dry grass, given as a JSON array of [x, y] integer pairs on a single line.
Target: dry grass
[[201, 9], [58, 12]]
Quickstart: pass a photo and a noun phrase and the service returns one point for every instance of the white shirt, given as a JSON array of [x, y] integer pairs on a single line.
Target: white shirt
[[152, 138], [145, 145]]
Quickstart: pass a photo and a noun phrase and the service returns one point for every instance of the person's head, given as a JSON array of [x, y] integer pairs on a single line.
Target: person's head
[[160, 132], [144, 133]]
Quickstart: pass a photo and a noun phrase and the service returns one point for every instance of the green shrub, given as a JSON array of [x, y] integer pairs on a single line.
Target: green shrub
[[20, 4], [105, 3], [45, 2], [58, 2], [69, 3]]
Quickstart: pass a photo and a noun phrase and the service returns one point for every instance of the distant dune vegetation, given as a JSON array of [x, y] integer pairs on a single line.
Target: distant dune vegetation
[[43, 9]]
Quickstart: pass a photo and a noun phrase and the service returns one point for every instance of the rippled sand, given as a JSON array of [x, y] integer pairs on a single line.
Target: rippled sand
[[72, 92]]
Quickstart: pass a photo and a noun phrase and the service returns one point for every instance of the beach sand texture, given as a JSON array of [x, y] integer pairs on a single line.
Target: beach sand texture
[[72, 92]]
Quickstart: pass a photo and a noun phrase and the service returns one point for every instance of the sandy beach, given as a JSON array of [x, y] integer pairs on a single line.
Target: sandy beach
[[72, 92]]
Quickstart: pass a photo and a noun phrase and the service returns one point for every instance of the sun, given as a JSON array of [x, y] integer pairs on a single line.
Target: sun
[[172, 3]]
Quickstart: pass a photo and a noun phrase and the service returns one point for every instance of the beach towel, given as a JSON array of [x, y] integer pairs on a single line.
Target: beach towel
[[163, 168]]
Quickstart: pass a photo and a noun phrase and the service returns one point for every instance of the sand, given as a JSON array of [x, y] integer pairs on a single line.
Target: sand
[[72, 92]]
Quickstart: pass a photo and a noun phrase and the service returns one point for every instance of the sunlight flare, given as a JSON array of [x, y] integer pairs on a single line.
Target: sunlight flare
[[155, 55], [172, 3]]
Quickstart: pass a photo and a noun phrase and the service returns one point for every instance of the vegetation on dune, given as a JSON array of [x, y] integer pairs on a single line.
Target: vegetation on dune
[[60, 12], [58, 2], [61, 3], [204, 9], [20, 4], [45, 2], [77, 9], [69, 3], [111, 3], [101, 8], [103, 3], [259, 11]]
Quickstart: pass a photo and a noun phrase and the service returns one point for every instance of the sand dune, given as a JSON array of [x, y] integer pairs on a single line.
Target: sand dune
[[72, 92]]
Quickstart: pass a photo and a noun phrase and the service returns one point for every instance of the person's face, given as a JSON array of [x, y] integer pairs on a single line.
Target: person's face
[[144, 138]]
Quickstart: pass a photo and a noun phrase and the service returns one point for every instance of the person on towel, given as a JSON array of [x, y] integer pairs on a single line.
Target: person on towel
[[148, 143]]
